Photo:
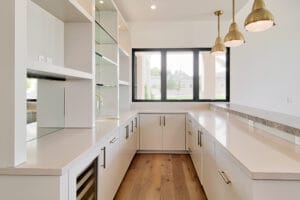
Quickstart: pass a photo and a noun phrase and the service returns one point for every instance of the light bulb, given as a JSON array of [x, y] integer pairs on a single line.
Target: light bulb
[[153, 7]]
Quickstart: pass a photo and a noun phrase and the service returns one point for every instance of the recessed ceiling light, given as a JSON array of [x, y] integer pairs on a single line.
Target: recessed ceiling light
[[153, 7], [102, 2]]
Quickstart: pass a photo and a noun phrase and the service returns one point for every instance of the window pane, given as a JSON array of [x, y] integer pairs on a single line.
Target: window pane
[[180, 75], [212, 76], [147, 75]]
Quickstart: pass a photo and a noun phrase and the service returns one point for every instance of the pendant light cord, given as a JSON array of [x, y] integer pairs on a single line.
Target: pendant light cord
[[219, 35], [233, 10]]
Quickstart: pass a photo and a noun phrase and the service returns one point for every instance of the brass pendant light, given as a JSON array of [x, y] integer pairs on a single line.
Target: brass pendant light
[[234, 37], [219, 48], [260, 19]]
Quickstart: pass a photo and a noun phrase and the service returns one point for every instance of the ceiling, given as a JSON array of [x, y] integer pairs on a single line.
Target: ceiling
[[175, 10]]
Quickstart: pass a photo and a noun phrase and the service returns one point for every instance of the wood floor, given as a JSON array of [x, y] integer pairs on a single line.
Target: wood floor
[[161, 177]]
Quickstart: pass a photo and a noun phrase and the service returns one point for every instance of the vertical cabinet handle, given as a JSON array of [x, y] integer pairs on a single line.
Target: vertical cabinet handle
[[159, 120], [135, 122], [200, 138], [164, 120], [132, 126], [104, 157], [224, 177], [127, 132]]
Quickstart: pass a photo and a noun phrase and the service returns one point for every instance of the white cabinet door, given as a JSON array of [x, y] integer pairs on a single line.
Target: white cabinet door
[[150, 132], [108, 169], [210, 172], [173, 132]]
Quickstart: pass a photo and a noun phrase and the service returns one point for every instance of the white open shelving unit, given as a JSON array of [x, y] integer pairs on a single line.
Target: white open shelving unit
[[107, 61]]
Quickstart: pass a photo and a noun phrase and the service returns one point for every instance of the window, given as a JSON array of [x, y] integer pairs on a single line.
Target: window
[[180, 75]]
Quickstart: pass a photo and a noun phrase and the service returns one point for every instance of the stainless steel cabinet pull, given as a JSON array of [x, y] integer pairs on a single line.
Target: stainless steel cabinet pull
[[136, 122], [200, 138], [224, 177], [132, 126], [127, 132], [113, 140], [104, 157], [164, 120], [160, 121]]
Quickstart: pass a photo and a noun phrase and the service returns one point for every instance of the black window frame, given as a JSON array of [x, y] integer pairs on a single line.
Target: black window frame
[[163, 52]]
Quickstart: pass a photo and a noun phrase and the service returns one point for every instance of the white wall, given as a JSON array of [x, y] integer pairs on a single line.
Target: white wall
[[264, 72]]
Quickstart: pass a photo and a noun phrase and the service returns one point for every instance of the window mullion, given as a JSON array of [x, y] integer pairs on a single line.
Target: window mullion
[[163, 75], [196, 75]]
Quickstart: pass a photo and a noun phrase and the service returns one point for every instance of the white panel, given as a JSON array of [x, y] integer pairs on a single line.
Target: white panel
[[174, 132], [51, 104], [13, 54], [79, 46], [33, 187], [45, 37], [150, 132], [79, 104]]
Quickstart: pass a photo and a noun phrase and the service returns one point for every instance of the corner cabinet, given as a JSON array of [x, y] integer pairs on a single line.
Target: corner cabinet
[[162, 132]]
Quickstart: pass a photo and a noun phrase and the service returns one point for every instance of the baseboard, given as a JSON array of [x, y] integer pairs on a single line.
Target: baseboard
[[162, 152]]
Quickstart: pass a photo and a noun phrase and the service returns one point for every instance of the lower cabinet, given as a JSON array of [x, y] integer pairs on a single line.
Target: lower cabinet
[[116, 155], [162, 132]]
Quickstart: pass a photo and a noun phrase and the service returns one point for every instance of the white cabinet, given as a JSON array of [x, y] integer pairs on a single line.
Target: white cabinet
[[162, 132], [150, 132], [233, 183], [117, 153], [209, 176], [108, 171], [174, 132]]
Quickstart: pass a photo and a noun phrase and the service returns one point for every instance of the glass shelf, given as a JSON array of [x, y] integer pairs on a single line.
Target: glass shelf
[[102, 60], [102, 36], [105, 85]]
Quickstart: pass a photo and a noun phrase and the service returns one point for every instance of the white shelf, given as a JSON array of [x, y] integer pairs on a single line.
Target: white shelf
[[123, 52], [59, 72], [65, 10], [124, 83]]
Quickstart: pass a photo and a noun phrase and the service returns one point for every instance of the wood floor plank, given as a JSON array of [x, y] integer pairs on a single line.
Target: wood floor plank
[[161, 177]]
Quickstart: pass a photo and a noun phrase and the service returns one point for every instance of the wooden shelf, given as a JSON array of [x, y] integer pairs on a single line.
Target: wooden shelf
[[58, 72], [65, 10]]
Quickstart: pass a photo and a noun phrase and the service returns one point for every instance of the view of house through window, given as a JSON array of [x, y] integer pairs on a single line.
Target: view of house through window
[[180, 75], [172, 74]]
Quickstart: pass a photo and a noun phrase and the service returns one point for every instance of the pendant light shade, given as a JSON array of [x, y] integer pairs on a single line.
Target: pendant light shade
[[219, 48], [260, 19], [234, 37]]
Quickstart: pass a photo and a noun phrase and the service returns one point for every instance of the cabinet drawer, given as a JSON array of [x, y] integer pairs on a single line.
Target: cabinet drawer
[[234, 183]]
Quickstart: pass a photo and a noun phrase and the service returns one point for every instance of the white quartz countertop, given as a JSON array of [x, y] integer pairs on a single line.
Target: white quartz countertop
[[260, 154], [56, 153]]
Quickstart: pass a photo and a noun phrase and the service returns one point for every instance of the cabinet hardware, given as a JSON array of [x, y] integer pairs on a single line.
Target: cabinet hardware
[[132, 126], [190, 133], [160, 121], [104, 157], [200, 138], [113, 140], [135, 122], [224, 177], [164, 120], [127, 132]]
